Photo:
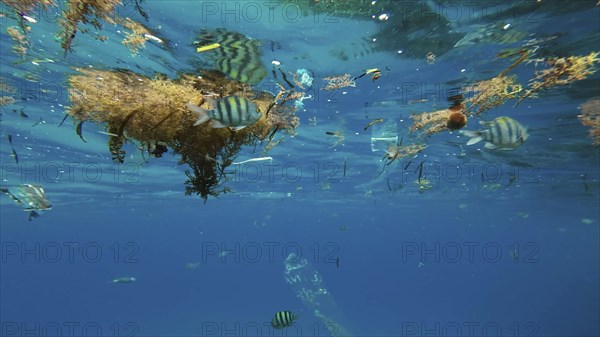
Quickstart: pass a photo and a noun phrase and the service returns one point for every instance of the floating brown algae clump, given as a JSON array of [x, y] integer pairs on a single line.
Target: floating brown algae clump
[[21, 41], [136, 39], [590, 116], [84, 11], [89, 11], [394, 152], [431, 122], [338, 82], [153, 112], [26, 6], [562, 71], [5, 88], [453, 118], [491, 93]]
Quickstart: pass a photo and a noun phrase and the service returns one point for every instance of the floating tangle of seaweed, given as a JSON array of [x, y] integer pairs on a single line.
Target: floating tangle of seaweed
[[338, 82], [21, 41], [91, 12], [137, 37], [492, 93], [6, 89], [561, 71], [453, 118], [25, 6], [394, 152], [152, 112], [78, 12]]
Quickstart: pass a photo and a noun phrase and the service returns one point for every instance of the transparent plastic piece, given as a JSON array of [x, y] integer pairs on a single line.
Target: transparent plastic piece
[[384, 135], [307, 284]]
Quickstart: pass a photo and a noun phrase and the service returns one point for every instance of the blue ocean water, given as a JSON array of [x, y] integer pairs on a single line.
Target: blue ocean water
[[455, 240]]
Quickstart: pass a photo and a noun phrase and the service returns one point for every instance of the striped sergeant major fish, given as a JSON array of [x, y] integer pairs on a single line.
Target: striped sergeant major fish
[[243, 67], [237, 56], [503, 133], [283, 319], [231, 111]]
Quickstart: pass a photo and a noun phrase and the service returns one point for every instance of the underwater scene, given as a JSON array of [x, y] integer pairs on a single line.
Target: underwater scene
[[300, 168]]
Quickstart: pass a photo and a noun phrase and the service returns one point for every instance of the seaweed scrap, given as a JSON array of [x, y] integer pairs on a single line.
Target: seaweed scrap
[[22, 43], [492, 93], [338, 82], [562, 71], [590, 116], [93, 12]]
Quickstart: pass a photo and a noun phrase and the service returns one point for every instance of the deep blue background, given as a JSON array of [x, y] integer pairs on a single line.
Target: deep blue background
[[146, 228]]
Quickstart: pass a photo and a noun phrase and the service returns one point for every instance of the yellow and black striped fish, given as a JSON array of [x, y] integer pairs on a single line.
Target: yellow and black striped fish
[[502, 133], [242, 67], [283, 319], [237, 56], [233, 111]]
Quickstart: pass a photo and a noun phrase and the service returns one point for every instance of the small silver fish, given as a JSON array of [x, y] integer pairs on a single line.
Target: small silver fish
[[233, 111], [503, 133], [126, 279]]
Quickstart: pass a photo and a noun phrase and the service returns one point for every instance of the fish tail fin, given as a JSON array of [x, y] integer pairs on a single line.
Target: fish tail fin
[[202, 113], [474, 135]]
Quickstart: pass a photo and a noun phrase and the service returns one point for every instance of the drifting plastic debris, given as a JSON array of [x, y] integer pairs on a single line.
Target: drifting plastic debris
[[30, 197], [384, 135], [304, 78], [383, 17], [211, 46], [307, 284], [253, 160]]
